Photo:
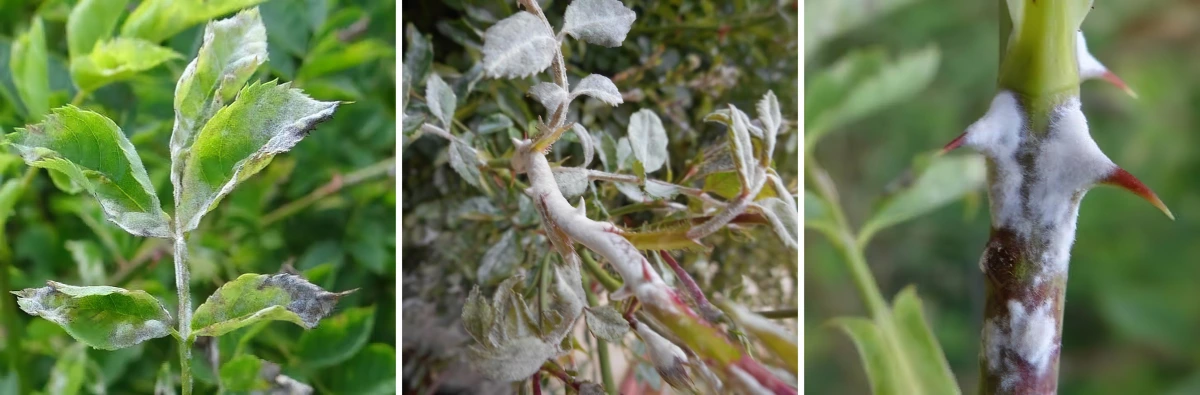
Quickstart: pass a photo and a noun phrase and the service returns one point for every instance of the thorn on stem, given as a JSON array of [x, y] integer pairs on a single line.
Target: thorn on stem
[[1121, 178]]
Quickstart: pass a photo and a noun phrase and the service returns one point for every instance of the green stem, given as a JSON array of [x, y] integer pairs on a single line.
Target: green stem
[[602, 349], [386, 166], [79, 97], [782, 314], [595, 270], [844, 239]]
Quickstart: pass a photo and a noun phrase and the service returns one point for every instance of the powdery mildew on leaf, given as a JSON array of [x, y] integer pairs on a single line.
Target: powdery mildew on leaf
[[772, 120], [266, 119], [647, 139], [599, 87], [600, 22], [94, 153], [102, 317], [518, 46], [586, 141], [258, 297], [498, 261], [513, 360], [550, 95], [668, 358], [572, 181], [606, 323], [440, 99]]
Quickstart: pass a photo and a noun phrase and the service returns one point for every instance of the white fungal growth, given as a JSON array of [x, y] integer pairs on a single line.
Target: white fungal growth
[[1028, 335], [998, 136], [1089, 66]]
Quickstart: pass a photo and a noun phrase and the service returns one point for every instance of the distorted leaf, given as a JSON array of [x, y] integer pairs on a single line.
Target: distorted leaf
[[572, 181], [440, 99], [116, 60], [585, 139], [253, 298], [783, 220], [600, 22], [92, 21], [478, 317], [599, 87], [266, 119], [944, 179], [500, 259], [514, 360], [606, 323], [550, 95], [518, 46], [741, 148], [93, 152], [772, 120], [102, 317], [648, 139], [30, 72]]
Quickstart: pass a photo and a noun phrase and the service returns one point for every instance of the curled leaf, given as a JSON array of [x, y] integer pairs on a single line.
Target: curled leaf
[[550, 95], [599, 87], [253, 298], [107, 318]]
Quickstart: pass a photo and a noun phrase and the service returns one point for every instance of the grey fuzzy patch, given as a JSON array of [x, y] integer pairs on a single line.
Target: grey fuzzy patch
[[308, 301]]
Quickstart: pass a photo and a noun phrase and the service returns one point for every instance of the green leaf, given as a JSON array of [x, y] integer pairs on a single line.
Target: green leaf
[[440, 99], [92, 21], [924, 352], [266, 119], [606, 323], [877, 359], [944, 180], [729, 185], [93, 152], [69, 372], [102, 317], [500, 259], [241, 374], [371, 372], [337, 339], [418, 60], [233, 48], [860, 84], [465, 162], [158, 20], [90, 260], [29, 70], [116, 60], [478, 317], [252, 298], [322, 63], [164, 383], [776, 339], [648, 139]]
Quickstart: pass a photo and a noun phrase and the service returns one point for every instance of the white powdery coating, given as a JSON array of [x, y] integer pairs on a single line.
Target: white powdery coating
[[589, 147], [550, 95], [600, 22], [518, 46], [1028, 334], [572, 181], [648, 139], [998, 136], [129, 334], [440, 99], [748, 382], [662, 352], [1072, 163], [599, 87], [1089, 66]]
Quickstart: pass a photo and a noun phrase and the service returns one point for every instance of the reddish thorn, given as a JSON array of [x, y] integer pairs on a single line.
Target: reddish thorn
[[958, 141], [1116, 81], [1121, 178]]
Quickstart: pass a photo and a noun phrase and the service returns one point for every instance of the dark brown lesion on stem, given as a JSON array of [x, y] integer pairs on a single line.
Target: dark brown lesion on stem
[[1011, 276]]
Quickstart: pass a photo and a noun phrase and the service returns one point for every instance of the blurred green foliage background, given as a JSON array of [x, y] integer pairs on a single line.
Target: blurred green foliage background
[[682, 59], [1132, 314], [327, 207]]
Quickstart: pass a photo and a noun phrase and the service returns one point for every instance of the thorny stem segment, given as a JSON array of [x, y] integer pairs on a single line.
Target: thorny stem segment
[[182, 285]]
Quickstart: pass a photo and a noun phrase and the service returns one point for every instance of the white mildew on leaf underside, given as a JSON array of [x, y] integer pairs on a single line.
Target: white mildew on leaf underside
[[1027, 334], [518, 46]]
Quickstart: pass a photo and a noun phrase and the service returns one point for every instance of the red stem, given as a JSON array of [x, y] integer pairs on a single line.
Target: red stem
[[709, 312]]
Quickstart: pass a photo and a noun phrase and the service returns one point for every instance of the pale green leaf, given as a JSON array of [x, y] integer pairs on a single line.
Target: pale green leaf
[[824, 20], [266, 119], [877, 359], [478, 317], [116, 60], [241, 374], [337, 338], [158, 20], [648, 139], [93, 152], [232, 49], [440, 99], [102, 317], [862, 83], [774, 337], [29, 70], [606, 323], [253, 298], [92, 21], [342, 56], [944, 180], [69, 373], [921, 347], [465, 161]]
